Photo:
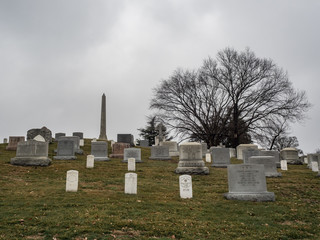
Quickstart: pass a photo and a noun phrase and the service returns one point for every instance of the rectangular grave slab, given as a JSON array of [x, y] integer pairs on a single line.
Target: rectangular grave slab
[[65, 150], [76, 142], [132, 153], [144, 143], [126, 138], [220, 157], [79, 134], [131, 164], [90, 161], [185, 183], [131, 181], [100, 151], [269, 163], [72, 181], [160, 153], [57, 135], [118, 150], [13, 142]]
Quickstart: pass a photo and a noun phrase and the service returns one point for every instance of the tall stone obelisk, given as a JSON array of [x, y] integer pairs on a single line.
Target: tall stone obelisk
[[103, 129]]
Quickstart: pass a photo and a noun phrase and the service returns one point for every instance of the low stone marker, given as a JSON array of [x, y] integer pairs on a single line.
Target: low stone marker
[[100, 151], [204, 149], [144, 143], [13, 142], [131, 164], [185, 183], [249, 152], [220, 157], [160, 153], [79, 134], [173, 147], [72, 181], [241, 147], [208, 157], [131, 180], [232, 152], [76, 142], [65, 150], [190, 159], [132, 153], [247, 182], [57, 135], [90, 161], [31, 153], [269, 163], [274, 153], [314, 166], [284, 165], [118, 149]]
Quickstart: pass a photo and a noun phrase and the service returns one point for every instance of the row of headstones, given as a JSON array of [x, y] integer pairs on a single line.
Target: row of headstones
[[313, 162]]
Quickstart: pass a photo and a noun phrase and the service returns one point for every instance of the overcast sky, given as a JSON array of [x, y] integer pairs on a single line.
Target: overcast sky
[[58, 57]]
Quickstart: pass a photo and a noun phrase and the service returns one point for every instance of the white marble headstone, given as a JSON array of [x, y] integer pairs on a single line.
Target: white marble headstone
[[131, 164], [305, 160], [208, 157], [185, 183], [314, 166], [81, 142], [131, 180], [90, 161], [72, 181], [39, 138], [284, 165]]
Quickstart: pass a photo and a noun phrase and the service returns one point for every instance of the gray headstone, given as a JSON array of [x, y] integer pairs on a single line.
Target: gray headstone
[[249, 152], [241, 147], [125, 138], [65, 150], [5, 140], [44, 132], [79, 134], [76, 142], [204, 149], [100, 151], [190, 159], [269, 163], [273, 153], [144, 143], [220, 157], [57, 135], [247, 182], [291, 155], [160, 153], [173, 148], [13, 142], [32, 153], [132, 153]]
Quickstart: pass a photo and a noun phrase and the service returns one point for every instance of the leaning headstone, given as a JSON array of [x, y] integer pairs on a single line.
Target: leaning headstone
[[57, 135], [173, 147], [185, 183], [204, 149], [118, 149], [291, 155], [284, 165], [247, 182], [131, 164], [44, 132], [31, 153], [39, 138], [190, 159], [65, 150], [72, 181], [220, 157], [100, 151], [76, 142], [13, 142], [208, 157], [131, 180], [160, 153], [90, 161], [269, 163], [241, 147], [126, 138], [5, 140], [249, 152], [132, 153], [144, 143]]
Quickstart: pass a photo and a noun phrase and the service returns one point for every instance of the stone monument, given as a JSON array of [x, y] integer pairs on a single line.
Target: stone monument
[[291, 155], [220, 157], [103, 128], [173, 148], [44, 132], [76, 141], [13, 142], [65, 150], [72, 181], [131, 180], [118, 149], [57, 135], [160, 153], [126, 138], [132, 153], [270, 166], [247, 182], [100, 151]]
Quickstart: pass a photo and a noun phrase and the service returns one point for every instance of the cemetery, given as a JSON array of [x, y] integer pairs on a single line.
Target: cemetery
[[87, 199]]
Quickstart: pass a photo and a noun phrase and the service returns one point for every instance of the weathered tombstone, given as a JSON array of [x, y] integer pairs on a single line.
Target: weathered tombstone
[[249, 152], [314, 166], [160, 153], [185, 183], [65, 150], [72, 181], [244, 146], [190, 159], [57, 135], [208, 157], [100, 151], [273, 153], [247, 182], [220, 157], [79, 134], [132, 153], [13, 142], [305, 159], [44, 132], [284, 165], [131, 180], [118, 149], [291, 155], [144, 143], [76, 142], [269, 163], [160, 137], [90, 161], [131, 164], [5, 140], [126, 138], [204, 149], [31, 153], [39, 138], [173, 148], [232, 152]]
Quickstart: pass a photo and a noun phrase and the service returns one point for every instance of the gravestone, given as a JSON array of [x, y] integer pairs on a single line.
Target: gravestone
[[100, 151], [126, 138], [160, 153], [103, 121], [269, 163], [57, 135], [39, 138], [274, 153], [160, 137], [65, 150], [44, 132], [144, 143], [31, 153], [132, 153], [247, 182], [5, 140], [208, 157], [305, 159], [79, 134], [249, 152], [90, 161], [314, 166], [220, 157], [72, 181], [232, 152], [131, 164], [190, 159], [76, 142], [291, 155], [173, 148], [241, 147], [204, 149], [185, 183], [131, 180], [13, 142], [284, 165], [118, 149]]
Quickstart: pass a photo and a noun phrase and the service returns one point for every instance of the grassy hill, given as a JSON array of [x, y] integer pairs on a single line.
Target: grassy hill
[[34, 204]]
